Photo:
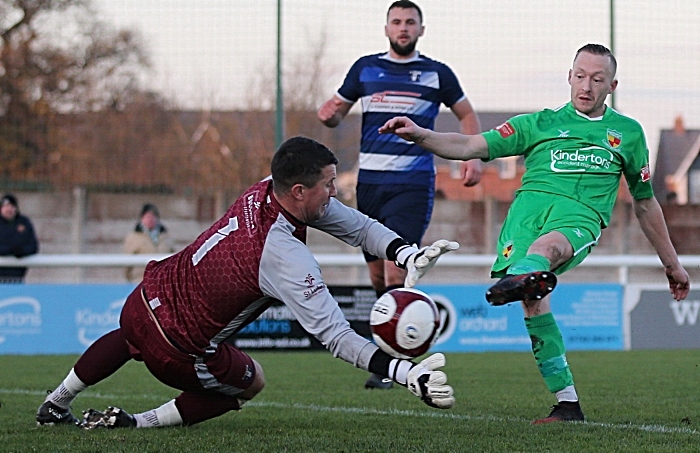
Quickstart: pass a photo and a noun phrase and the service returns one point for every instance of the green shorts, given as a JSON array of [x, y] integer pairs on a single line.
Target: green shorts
[[534, 214]]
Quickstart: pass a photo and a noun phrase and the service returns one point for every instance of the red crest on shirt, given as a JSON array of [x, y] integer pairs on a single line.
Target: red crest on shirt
[[614, 138], [645, 173], [506, 130]]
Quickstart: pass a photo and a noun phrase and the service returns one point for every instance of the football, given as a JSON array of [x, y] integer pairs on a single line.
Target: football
[[404, 322]]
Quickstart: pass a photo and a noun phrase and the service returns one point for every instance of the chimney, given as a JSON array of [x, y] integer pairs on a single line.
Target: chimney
[[678, 127]]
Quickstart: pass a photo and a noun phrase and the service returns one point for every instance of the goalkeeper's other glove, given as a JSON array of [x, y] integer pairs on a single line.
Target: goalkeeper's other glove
[[430, 385], [419, 261]]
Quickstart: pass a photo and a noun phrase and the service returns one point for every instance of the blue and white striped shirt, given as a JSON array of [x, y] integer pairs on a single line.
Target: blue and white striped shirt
[[387, 88]]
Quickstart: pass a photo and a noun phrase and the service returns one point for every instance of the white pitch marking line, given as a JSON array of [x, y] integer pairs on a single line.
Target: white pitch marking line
[[406, 413], [409, 413]]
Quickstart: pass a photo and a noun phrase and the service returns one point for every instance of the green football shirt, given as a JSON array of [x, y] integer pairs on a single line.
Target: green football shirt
[[570, 154]]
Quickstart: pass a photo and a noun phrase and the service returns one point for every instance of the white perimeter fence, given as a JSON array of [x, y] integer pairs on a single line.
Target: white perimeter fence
[[621, 262]]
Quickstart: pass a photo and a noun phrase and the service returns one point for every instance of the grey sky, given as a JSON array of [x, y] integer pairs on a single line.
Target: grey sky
[[509, 55]]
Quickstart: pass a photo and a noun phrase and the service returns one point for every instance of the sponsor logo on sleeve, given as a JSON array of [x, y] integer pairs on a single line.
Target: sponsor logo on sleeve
[[645, 173], [309, 280], [313, 291], [508, 249], [506, 130], [312, 287]]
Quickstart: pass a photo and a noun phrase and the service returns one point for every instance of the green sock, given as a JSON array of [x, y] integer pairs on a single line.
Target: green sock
[[549, 351], [529, 263]]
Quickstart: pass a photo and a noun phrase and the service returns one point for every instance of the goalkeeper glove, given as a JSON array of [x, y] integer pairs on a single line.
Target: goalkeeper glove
[[430, 385], [419, 261]]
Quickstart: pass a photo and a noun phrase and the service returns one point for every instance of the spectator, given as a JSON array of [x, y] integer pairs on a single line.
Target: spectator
[[17, 238], [149, 236]]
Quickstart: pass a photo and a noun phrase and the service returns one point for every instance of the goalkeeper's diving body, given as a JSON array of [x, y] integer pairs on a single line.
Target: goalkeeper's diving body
[[574, 158], [177, 319]]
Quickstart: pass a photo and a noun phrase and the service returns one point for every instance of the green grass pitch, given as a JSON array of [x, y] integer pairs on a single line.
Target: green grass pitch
[[637, 401]]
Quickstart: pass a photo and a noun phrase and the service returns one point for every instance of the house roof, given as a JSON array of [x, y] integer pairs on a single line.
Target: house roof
[[673, 153], [674, 148]]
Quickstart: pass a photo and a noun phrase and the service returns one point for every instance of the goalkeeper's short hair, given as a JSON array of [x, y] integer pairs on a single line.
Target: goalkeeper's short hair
[[300, 160]]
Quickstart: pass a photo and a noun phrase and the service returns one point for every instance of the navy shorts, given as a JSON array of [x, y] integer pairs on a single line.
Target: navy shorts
[[403, 208]]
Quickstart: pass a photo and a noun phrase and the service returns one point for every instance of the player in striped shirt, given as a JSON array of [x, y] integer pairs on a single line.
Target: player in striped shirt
[[396, 182]]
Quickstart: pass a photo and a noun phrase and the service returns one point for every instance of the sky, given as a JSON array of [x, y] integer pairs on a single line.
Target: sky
[[510, 55]]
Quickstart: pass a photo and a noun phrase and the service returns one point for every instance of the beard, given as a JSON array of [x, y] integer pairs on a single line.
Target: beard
[[404, 51]]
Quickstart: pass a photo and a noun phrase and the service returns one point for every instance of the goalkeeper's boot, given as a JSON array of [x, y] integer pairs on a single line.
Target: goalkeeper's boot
[[49, 414], [113, 417], [531, 286], [565, 411], [376, 381], [92, 419]]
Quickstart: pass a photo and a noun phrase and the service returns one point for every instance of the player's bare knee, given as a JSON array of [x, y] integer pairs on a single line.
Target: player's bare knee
[[554, 246], [259, 381]]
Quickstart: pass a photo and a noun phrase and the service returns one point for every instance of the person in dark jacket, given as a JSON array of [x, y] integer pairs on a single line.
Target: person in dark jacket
[[17, 238]]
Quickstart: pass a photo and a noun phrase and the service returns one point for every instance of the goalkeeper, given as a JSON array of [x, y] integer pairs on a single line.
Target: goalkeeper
[[177, 319], [574, 158]]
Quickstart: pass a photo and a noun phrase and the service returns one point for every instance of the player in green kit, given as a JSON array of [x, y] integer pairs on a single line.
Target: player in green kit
[[574, 158]]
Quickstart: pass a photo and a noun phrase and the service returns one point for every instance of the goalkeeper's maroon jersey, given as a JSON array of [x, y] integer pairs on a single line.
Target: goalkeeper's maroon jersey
[[255, 253]]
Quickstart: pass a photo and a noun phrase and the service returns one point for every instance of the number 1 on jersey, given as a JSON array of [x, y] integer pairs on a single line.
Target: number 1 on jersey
[[215, 239]]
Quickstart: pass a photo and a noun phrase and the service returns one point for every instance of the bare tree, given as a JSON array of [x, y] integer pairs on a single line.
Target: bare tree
[[136, 147], [57, 57], [304, 77]]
